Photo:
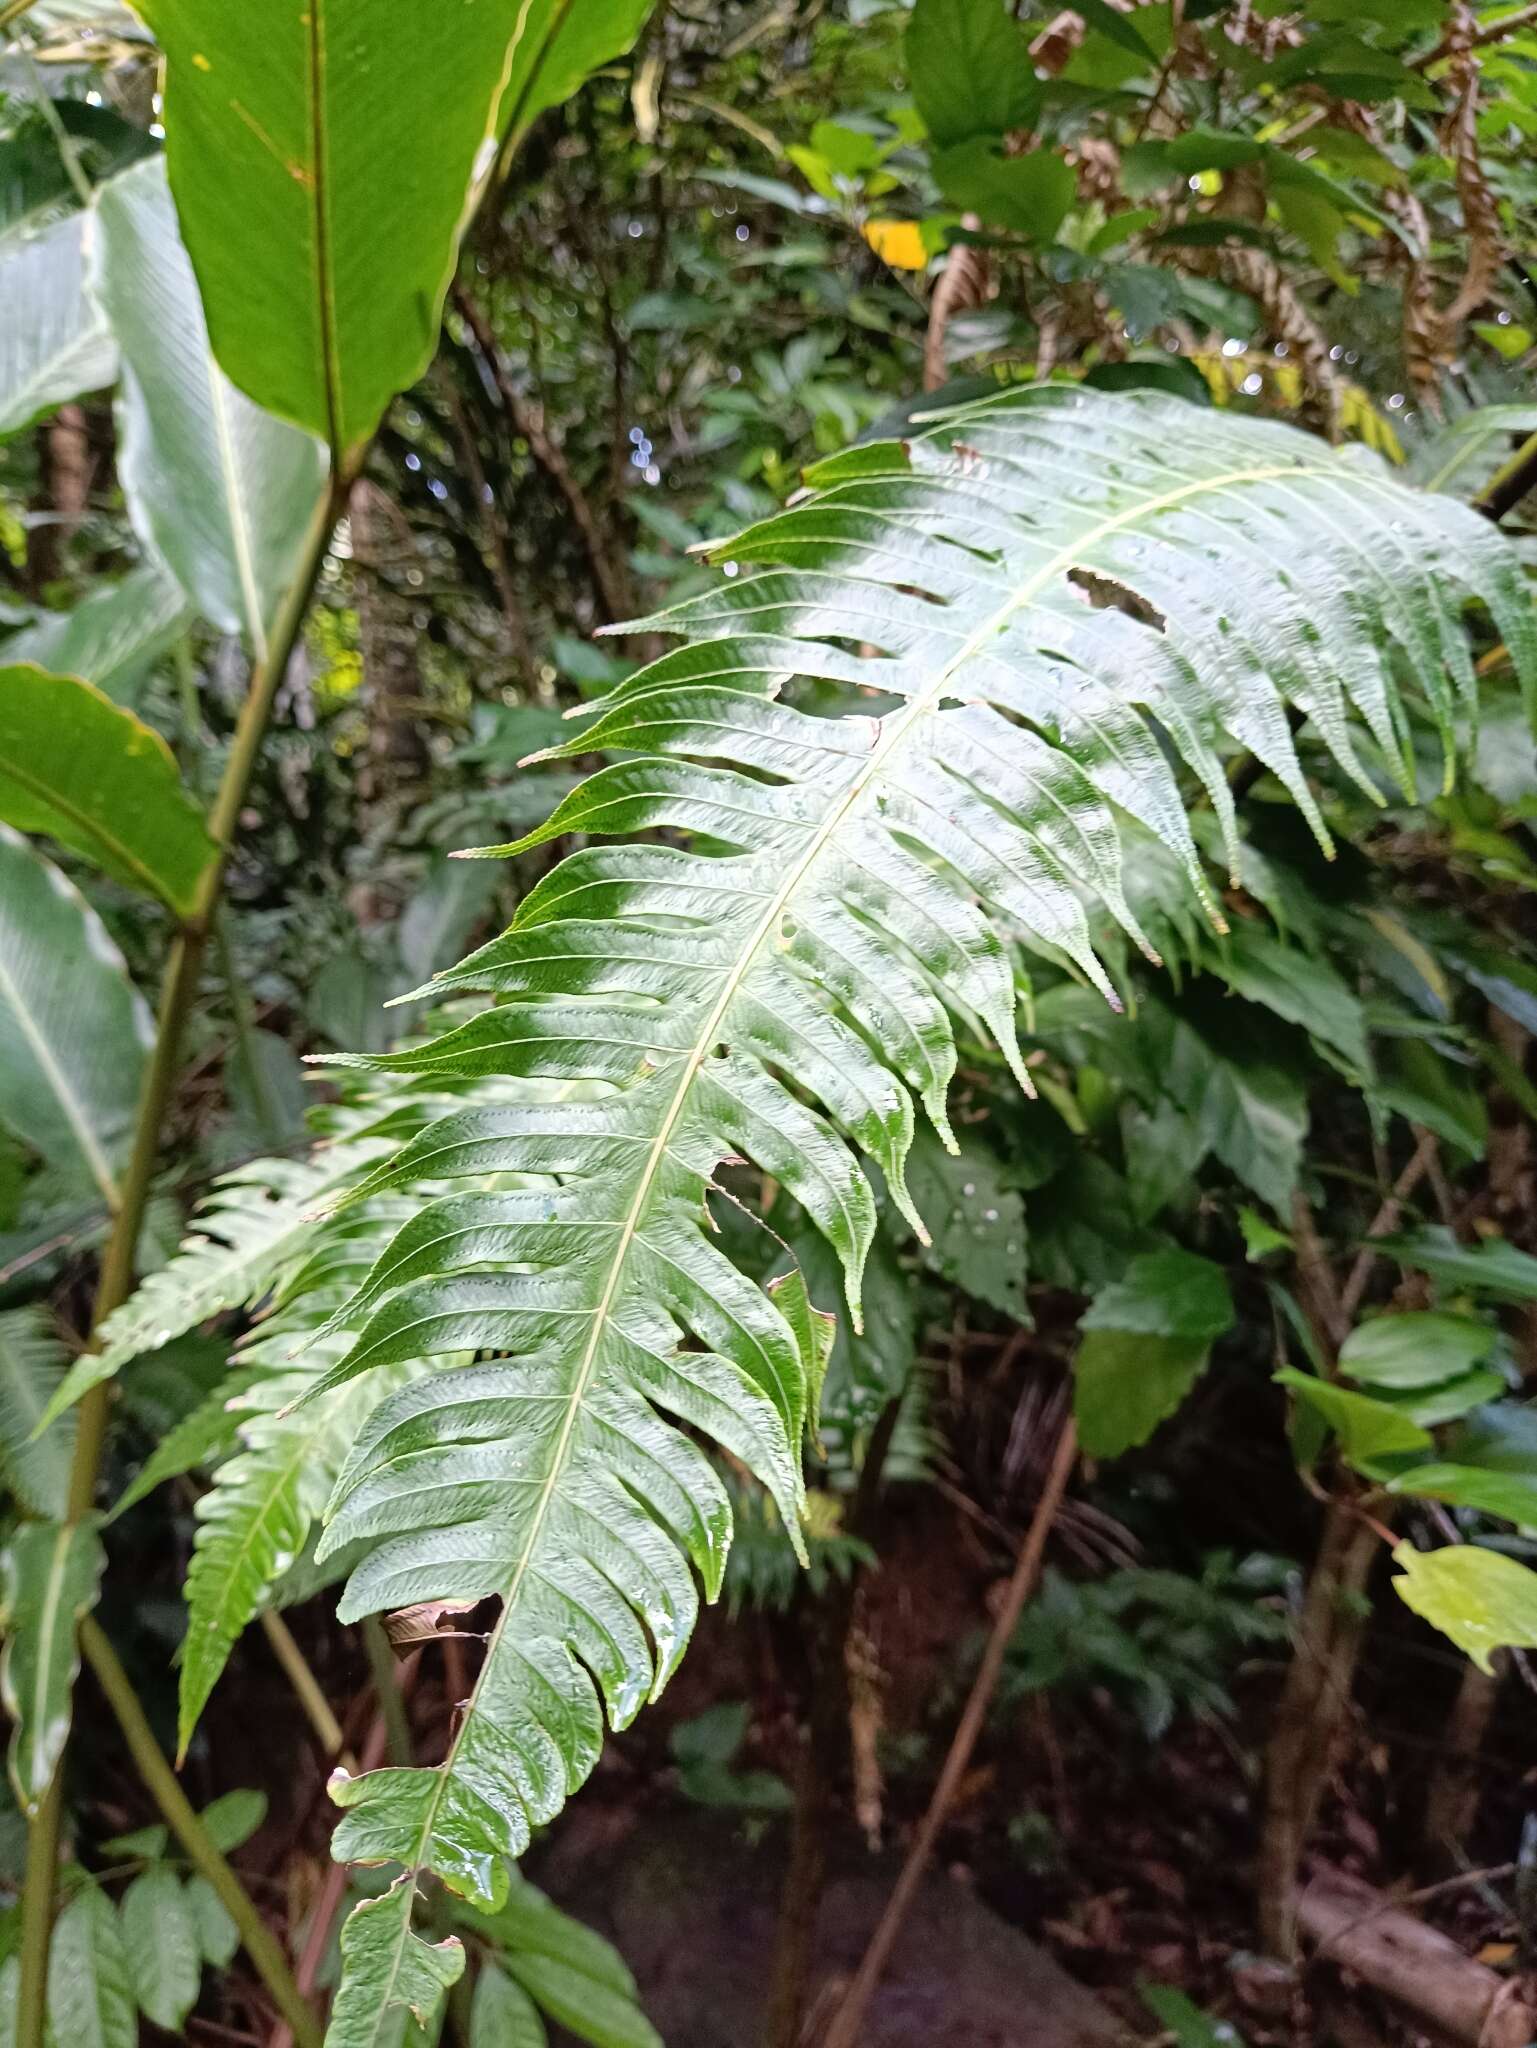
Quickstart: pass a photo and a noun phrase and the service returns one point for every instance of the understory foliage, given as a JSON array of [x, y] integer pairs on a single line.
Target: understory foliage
[[1030, 869], [882, 830]]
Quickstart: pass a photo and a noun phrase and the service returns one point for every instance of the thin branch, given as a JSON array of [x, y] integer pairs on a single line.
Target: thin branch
[[317, 1708], [528, 418], [160, 1781], [1495, 32], [1386, 1219], [848, 2020]]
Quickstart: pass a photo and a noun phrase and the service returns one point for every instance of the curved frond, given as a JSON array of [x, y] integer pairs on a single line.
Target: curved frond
[[1030, 621]]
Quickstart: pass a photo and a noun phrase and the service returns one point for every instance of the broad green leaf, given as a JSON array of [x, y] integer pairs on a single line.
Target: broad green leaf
[[54, 344], [51, 1572], [113, 636], [570, 1972], [1146, 1340], [1031, 195], [1368, 1430], [1431, 1406], [1184, 2022], [218, 1936], [1510, 1495], [1416, 1348], [1300, 986], [76, 766], [1499, 1438], [976, 1224], [323, 261], [165, 1955], [970, 67], [386, 1965], [1106, 20], [150, 1843], [90, 1985], [32, 1362], [234, 1817], [502, 2015], [1482, 1599], [1492, 1267], [223, 491], [73, 1035]]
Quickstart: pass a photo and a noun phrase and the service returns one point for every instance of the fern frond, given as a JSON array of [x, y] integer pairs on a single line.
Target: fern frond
[[1027, 611]]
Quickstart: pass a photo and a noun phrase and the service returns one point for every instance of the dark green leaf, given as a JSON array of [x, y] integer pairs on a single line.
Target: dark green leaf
[[970, 68], [1146, 1340], [1029, 195], [76, 766], [160, 1939]]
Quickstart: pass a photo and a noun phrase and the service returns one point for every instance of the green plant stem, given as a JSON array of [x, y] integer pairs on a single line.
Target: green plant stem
[[260, 1944], [307, 1690], [115, 1281]]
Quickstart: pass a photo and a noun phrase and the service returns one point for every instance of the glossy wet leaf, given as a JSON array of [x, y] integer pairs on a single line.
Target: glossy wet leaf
[[1415, 1348], [1482, 1599]]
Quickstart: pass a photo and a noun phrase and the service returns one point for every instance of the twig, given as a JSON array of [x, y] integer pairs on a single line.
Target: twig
[[1386, 1219], [1495, 32], [392, 1701], [317, 1708], [849, 2018], [528, 418], [806, 1870]]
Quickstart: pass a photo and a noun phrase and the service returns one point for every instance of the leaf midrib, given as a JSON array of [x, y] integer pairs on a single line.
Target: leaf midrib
[[85, 1137], [116, 848], [53, 1588], [899, 724]]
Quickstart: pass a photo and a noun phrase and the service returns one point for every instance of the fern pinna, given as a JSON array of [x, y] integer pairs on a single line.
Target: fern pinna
[[900, 754]]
